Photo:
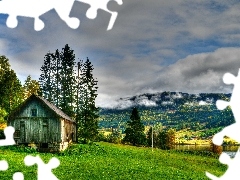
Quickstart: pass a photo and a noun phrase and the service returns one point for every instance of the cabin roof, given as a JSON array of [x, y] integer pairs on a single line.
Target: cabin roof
[[50, 105]]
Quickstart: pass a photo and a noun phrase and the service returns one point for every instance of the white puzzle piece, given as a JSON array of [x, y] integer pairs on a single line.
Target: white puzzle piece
[[231, 131], [44, 170], [36, 8], [9, 140], [96, 5]]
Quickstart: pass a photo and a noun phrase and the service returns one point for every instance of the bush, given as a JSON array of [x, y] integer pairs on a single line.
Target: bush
[[166, 139], [101, 137], [215, 149], [19, 148], [81, 149], [114, 137]]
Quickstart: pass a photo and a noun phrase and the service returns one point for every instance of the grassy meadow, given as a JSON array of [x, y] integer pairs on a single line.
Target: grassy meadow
[[112, 161]]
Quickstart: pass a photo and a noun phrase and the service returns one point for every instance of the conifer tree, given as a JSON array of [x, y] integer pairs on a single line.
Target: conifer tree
[[87, 115], [56, 78], [46, 78], [67, 81], [135, 130]]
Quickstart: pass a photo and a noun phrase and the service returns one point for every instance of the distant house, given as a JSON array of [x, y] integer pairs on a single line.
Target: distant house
[[39, 123]]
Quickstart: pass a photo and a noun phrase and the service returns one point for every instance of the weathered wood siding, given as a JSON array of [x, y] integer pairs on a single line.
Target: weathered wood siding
[[45, 127], [68, 131]]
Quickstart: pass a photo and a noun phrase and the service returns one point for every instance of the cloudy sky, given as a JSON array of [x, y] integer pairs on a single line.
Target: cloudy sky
[[155, 45]]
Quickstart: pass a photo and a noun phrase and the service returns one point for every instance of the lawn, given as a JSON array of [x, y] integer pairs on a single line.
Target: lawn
[[111, 161]]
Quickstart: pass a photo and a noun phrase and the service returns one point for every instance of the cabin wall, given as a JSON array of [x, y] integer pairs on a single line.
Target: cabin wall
[[68, 131], [36, 124]]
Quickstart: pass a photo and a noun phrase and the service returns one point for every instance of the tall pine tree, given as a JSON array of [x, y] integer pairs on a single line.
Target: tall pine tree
[[87, 115], [46, 79], [56, 68], [135, 130], [67, 81]]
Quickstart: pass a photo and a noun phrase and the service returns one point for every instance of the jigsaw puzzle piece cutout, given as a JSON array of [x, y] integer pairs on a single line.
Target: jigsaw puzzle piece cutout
[[229, 78], [231, 131], [63, 9], [18, 176], [114, 5], [36, 8], [3, 165], [9, 140], [221, 105], [96, 5], [232, 172], [44, 170]]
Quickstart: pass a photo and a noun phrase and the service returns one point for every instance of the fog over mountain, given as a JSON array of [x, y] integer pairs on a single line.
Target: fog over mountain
[[170, 99]]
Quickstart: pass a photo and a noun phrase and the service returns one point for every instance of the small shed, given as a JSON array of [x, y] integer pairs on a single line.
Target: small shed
[[41, 124]]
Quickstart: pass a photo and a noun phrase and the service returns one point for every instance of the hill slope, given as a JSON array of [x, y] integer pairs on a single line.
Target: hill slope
[[171, 109]]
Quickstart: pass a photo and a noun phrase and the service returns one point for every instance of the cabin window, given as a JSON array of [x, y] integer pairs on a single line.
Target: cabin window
[[34, 112]]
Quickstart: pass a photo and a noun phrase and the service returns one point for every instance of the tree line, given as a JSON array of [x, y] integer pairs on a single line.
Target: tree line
[[135, 134]]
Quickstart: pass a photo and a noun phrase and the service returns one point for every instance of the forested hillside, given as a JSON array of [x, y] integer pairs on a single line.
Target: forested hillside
[[173, 110]]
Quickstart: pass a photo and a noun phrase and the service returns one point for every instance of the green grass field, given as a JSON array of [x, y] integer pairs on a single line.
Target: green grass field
[[110, 161]]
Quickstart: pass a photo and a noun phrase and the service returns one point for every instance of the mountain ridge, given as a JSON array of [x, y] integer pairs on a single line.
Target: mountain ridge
[[168, 98]]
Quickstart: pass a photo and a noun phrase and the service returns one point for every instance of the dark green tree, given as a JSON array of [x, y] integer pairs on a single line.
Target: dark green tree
[[166, 139], [46, 79], [162, 140], [135, 130], [67, 80], [56, 77], [87, 112]]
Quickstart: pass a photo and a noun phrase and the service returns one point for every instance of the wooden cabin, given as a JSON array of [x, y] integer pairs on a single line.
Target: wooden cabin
[[41, 124]]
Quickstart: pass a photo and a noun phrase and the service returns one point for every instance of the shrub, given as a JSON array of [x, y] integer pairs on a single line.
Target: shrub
[[19, 148], [215, 148], [114, 137], [101, 137], [166, 139]]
